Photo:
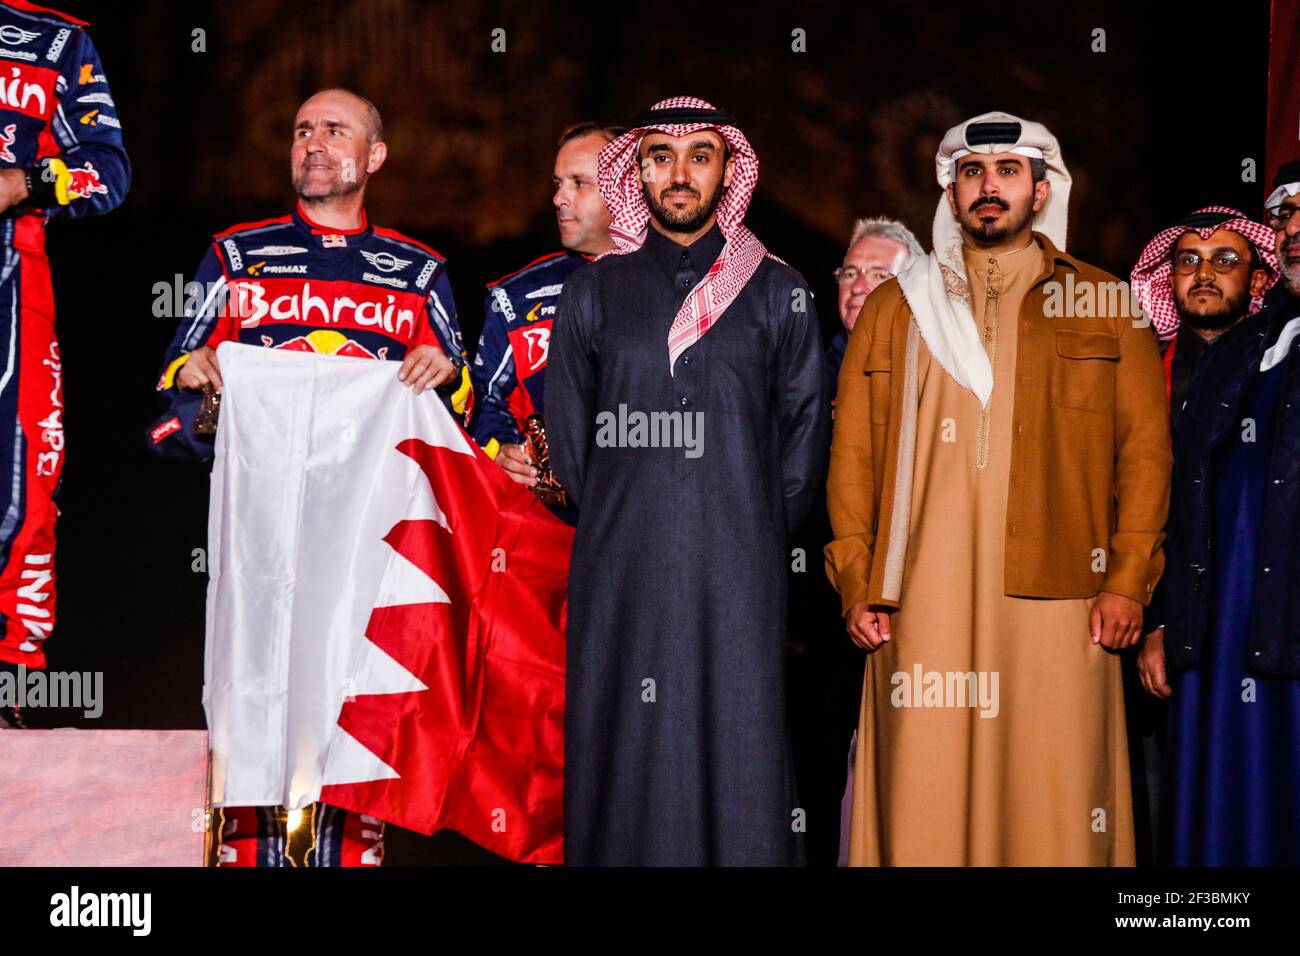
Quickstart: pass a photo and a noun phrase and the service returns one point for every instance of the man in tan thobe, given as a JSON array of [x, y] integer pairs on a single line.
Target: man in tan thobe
[[999, 483]]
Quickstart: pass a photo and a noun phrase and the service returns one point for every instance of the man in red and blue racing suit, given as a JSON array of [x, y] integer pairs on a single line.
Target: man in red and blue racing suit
[[321, 280], [61, 156], [509, 367]]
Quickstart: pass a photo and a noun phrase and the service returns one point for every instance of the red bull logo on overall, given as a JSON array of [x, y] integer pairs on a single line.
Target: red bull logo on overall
[[323, 342], [85, 183]]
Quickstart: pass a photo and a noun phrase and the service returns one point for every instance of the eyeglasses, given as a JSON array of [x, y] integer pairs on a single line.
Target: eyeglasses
[[1185, 263], [1279, 217], [846, 275]]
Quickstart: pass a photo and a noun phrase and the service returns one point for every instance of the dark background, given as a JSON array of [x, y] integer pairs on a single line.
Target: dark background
[[1157, 125]]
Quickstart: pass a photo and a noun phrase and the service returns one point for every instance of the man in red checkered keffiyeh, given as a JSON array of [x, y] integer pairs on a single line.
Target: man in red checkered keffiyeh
[[634, 192], [1154, 269], [1209, 294], [687, 476]]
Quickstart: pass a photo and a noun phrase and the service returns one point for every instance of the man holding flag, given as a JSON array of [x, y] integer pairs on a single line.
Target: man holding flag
[[322, 280]]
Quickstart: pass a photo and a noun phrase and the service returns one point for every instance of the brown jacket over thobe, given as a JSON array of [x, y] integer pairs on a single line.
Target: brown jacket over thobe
[[1091, 455]]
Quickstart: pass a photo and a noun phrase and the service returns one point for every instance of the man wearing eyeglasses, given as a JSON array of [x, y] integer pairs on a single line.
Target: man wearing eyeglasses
[[1196, 279], [1280, 213], [825, 671], [879, 249], [1205, 310], [1222, 643]]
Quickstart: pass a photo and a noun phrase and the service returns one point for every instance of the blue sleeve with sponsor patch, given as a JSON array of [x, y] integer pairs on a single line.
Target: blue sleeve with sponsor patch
[[494, 379], [440, 306], [89, 135], [171, 435], [201, 300]]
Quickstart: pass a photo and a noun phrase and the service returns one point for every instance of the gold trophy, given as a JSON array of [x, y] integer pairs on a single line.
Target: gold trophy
[[205, 422], [548, 486]]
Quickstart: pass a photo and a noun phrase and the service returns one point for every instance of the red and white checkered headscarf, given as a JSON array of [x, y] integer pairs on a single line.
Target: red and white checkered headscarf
[[1152, 277], [620, 184]]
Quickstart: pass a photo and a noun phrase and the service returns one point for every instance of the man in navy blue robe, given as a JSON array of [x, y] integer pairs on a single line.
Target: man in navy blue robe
[[1224, 644], [687, 417]]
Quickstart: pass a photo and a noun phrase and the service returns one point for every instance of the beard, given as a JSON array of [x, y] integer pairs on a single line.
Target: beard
[[990, 232], [1290, 271], [1214, 320], [674, 220], [318, 190], [1291, 278]]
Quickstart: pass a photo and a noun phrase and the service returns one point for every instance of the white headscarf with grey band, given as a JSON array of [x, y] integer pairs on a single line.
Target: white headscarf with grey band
[[1285, 184], [935, 286]]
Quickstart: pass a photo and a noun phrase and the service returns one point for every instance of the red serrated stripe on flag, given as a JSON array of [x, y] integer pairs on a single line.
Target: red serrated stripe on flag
[[481, 749]]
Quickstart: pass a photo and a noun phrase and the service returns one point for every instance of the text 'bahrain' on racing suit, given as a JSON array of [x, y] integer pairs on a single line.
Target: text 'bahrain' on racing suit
[[58, 124], [509, 367], [288, 283]]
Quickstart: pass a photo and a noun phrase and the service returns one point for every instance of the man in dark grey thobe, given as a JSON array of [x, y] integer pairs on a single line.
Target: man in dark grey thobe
[[686, 412]]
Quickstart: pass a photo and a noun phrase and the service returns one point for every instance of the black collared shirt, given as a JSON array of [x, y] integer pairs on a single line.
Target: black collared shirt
[[701, 254]]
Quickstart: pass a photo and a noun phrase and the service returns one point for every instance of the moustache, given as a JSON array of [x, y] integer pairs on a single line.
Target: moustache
[[684, 190], [990, 201], [1207, 287]]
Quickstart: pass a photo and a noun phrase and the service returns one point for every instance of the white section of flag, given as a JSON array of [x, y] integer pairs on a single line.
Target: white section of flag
[[305, 486]]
